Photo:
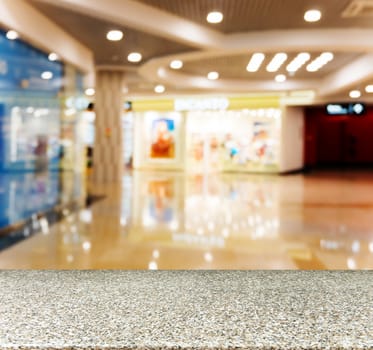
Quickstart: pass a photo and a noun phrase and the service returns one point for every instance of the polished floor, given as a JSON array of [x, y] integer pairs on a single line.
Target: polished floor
[[321, 220]]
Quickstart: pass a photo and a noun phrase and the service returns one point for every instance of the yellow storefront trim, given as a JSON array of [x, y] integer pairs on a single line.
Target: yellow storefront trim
[[235, 103]]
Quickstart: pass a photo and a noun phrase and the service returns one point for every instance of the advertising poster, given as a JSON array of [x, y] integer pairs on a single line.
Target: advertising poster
[[162, 139]]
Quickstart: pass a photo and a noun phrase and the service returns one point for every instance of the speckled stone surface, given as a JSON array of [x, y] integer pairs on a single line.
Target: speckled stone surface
[[186, 310]]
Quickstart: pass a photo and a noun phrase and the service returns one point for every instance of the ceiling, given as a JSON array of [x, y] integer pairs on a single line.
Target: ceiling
[[234, 67], [163, 30], [247, 15], [92, 33]]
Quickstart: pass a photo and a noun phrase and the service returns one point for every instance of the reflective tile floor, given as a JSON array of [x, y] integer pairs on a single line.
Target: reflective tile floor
[[320, 220]]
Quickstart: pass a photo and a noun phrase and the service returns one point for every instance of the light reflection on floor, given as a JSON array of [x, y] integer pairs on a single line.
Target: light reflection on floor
[[322, 220]]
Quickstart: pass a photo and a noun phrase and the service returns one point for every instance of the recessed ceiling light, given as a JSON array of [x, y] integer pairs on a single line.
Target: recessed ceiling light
[[255, 62], [90, 92], [159, 89], [369, 89], [214, 17], [280, 78], [114, 35], [47, 75], [312, 15], [176, 64], [355, 93], [276, 62], [52, 56], [213, 75], [12, 35], [134, 57]]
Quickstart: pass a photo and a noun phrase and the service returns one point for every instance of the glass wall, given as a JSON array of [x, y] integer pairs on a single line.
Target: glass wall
[[30, 85], [40, 102]]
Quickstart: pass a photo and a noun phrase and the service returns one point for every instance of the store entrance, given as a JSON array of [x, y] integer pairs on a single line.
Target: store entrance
[[205, 149]]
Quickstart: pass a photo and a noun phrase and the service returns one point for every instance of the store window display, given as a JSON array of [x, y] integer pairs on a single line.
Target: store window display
[[243, 134], [233, 141]]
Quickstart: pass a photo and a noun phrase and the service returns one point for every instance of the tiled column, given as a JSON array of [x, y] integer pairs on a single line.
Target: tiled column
[[108, 160]]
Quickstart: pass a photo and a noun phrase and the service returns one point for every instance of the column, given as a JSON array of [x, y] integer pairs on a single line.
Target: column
[[108, 160]]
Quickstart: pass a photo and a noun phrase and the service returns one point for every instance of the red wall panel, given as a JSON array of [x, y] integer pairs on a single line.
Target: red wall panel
[[338, 139]]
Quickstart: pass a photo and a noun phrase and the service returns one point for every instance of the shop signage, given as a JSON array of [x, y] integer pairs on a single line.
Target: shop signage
[[345, 108], [205, 104]]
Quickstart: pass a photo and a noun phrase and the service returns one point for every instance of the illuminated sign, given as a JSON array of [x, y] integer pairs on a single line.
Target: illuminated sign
[[345, 108], [205, 104]]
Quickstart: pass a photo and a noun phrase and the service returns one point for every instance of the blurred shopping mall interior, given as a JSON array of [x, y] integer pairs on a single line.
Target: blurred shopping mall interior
[[186, 134]]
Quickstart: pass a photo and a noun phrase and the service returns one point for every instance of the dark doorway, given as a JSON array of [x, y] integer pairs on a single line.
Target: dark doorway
[[338, 140]]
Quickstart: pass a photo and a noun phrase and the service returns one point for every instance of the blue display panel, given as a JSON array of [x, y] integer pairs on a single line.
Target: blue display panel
[[29, 107], [2, 140], [22, 66], [31, 110]]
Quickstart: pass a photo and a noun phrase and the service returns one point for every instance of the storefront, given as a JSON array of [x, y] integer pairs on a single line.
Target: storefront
[[221, 134]]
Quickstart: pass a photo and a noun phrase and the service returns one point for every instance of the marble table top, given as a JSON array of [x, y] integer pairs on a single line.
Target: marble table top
[[186, 310]]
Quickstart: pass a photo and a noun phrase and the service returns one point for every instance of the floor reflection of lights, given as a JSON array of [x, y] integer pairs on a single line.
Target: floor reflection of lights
[[175, 221]]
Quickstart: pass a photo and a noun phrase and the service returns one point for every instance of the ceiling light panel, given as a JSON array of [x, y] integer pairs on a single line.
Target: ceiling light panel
[[355, 94], [134, 57], [298, 62], [12, 35], [255, 62], [277, 61], [280, 78], [90, 91], [312, 15], [159, 89], [176, 64], [320, 61], [52, 56], [47, 75], [213, 75], [214, 17], [114, 35]]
